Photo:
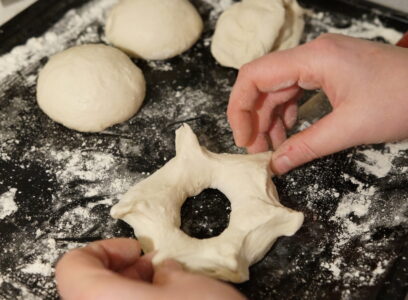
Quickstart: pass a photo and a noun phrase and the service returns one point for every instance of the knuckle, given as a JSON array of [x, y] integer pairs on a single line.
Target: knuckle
[[328, 36], [165, 276], [245, 68], [245, 71], [307, 152], [327, 42]]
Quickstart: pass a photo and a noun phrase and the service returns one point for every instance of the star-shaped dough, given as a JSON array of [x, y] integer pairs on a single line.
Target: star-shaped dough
[[257, 219]]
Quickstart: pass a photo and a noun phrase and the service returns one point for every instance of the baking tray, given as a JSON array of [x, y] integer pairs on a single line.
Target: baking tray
[[57, 185]]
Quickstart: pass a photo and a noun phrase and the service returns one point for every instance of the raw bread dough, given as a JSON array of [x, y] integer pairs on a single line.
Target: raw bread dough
[[154, 29], [91, 87], [152, 208], [292, 29], [250, 29]]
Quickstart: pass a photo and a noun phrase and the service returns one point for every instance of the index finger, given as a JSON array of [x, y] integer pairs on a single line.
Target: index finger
[[269, 74]]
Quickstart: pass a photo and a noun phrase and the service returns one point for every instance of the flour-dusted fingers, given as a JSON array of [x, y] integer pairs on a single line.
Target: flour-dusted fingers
[[142, 269], [276, 72], [329, 135], [268, 129], [255, 119], [277, 132], [91, 272], [178, 284], [272, 104], [258, 143], [289, 113], [113, 254], [240, 110], [368, 99], [113, 269]]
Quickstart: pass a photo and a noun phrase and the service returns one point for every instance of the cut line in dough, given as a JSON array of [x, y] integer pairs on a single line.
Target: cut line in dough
[[257, 219]]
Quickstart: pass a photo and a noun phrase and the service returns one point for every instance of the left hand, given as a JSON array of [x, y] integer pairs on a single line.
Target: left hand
[[114, 269]]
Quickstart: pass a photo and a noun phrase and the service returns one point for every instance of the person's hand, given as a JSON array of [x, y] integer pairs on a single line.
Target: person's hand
[[366, 82], [114, 269]]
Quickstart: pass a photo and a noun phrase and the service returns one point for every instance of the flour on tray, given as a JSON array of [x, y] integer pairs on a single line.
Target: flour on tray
[[379, 162], [63, 34], [324, 22], [7, 204], [361, 214], [81, 182], [218, 6]]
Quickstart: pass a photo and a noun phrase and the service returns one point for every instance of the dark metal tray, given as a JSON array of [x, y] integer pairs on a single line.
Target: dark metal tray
[[353, 244]]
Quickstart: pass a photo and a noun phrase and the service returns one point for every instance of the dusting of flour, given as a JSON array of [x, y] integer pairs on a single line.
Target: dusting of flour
[[379, 163], [73, 187], [7, 204]]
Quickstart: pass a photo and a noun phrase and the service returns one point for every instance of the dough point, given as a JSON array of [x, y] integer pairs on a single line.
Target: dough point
[[252, 28], [154, 29], [152, 208], [91, 87]]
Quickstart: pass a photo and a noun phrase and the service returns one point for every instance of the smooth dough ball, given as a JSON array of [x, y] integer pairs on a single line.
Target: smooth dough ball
[[250, 29], [91, 87], [154, 29]]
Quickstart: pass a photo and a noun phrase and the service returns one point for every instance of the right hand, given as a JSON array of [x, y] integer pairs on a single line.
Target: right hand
[[366, 83]]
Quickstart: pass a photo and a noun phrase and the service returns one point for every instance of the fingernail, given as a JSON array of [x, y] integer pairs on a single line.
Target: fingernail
[[282, 164], [283, 85], [308, 85], [238, 140]]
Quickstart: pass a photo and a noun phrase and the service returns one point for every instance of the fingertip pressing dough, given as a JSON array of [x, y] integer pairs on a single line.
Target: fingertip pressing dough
[[252, 28], [154, 29], [257, 219], [90, 87]]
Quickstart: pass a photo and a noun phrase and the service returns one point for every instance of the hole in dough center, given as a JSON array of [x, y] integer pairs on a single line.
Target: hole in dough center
[[205, 215]]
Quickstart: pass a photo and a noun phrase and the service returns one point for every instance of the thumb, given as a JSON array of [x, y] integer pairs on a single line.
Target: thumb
[[167, 271], [333, 133]]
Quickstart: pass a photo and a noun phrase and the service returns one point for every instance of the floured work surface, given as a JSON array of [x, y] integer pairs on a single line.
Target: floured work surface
[[57, 185]]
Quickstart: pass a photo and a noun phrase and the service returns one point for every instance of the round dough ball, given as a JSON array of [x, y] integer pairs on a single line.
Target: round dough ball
[[91, 87], [250, 29], [154, 29]]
